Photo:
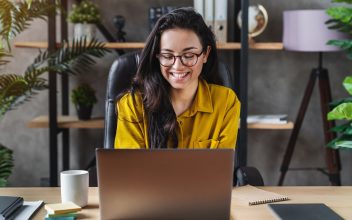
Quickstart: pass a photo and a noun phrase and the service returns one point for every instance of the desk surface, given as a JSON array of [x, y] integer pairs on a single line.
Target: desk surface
[[337, 198]]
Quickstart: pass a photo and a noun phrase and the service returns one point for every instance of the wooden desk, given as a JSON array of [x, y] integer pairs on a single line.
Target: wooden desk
[[337, 198]]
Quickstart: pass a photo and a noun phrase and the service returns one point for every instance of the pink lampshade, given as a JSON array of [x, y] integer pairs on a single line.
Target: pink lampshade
[[305, 30]]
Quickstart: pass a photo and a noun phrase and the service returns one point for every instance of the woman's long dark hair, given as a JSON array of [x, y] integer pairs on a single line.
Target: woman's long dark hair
[[155, 90]]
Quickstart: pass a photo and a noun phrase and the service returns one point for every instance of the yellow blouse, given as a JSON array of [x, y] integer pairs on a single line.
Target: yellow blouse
[[211, 121]]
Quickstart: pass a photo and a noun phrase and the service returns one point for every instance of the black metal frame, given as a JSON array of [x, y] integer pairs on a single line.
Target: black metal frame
[[332, 156], [242, 82], [53, 126], [53, 129], [241, 79], [64, 97]]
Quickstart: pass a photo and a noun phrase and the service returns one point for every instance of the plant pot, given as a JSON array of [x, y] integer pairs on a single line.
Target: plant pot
[[84, 30], [84, 112]]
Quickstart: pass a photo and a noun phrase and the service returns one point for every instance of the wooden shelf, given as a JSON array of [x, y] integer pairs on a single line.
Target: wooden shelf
[[66, 122], [140, 45], [73, 122], [287, 126], [267, 46]]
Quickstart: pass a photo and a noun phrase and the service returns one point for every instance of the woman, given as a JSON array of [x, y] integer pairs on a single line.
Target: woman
[[170, 103]]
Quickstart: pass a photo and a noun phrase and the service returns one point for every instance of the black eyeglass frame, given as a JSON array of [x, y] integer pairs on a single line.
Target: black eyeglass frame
[[180, 56]]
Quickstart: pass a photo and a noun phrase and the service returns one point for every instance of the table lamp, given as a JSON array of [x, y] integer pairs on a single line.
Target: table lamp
[[306, 31]]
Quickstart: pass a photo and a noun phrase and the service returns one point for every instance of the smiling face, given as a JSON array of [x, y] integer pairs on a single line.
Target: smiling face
[[182, 42]]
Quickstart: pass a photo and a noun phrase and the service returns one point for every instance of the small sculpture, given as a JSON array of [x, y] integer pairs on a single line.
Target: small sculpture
[[119, 22]]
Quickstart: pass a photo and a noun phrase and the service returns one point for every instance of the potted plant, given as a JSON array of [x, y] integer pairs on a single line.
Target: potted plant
[[83, 97], [18, 88], [342, 111], [84, 17], [342, 108]]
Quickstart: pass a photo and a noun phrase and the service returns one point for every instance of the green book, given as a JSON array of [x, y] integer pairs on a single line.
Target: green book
[[73, 214], [61, 218]]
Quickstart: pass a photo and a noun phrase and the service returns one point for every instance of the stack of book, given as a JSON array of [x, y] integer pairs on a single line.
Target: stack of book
[[13, 207], [9, 205], [267, 119], [62, 211], [156, 12]]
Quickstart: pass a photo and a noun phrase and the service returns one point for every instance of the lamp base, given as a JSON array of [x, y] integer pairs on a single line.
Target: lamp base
[[251, 41], [332, 156]]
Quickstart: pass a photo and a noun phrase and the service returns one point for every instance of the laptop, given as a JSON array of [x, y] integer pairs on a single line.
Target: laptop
[[165, 183]]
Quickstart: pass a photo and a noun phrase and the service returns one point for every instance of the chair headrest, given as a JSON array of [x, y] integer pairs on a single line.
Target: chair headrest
[[121, 73]]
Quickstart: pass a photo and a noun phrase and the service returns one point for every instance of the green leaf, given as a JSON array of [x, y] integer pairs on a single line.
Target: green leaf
[[84, 95], [337, 142], [342, 1], [85, 12], [71, 58], [16, 89], [29, 3], [77, 53], [347, 83], [343, 44], [6, 164], [16, 17], [3, 182], [347, 131], [342, 111], [337, 102], [332, 144], [341, 144], [341, 128], [3, 56], [346, 45], [340, 14]]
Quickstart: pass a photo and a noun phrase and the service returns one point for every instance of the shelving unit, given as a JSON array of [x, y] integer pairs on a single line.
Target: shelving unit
[[140, 45], [63, 123], [73, 122], [66, 121]]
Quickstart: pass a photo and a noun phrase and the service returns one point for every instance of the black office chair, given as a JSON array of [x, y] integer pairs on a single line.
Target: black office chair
[[120, 77], [121, 73]]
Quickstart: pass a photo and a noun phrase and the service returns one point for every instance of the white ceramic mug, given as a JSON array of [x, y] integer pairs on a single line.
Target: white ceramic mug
[[74, 186]]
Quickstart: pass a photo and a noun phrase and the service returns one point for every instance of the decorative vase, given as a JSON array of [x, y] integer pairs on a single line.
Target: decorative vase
[[84, 112], [84, 30]]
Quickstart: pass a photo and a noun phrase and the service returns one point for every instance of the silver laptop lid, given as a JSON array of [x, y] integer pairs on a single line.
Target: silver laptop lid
[[165, 184]]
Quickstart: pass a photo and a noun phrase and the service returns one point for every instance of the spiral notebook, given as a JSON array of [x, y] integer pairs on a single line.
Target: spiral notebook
[[251, 195]]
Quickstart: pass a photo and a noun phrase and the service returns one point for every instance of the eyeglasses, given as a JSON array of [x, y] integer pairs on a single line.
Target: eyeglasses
[[187, 59]]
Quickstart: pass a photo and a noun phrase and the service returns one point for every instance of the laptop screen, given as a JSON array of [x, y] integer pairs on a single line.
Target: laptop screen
[[165, 183]]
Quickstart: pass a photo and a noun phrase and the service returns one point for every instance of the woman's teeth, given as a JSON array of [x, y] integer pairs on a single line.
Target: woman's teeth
[[179, 75]]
